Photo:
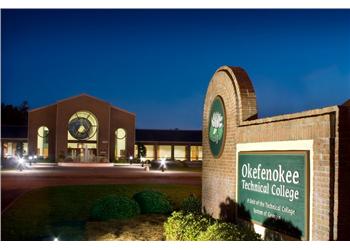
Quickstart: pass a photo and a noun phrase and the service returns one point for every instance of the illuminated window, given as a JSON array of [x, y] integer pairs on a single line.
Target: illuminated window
[[25, 148], [43, 142], [164, 151], [196, 153], [82, 136], [149, 152], [180, 153], [136, 150], [120, 144], [82, 126], [8, 149]]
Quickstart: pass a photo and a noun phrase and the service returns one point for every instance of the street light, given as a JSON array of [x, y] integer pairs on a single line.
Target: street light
[[20, 164], [20, 160], [130, 159], [30, 160], [162, 164]]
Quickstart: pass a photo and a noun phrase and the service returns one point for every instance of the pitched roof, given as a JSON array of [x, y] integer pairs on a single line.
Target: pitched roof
[[163, 135], [80, 95], [14, 132]]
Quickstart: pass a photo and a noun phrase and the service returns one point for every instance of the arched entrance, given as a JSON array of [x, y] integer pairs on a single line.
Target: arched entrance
[[82, 137]]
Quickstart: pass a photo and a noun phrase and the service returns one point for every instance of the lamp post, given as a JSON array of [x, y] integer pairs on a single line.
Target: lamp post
[[20, 163], [162, 164], [30, 160], [130, 159]]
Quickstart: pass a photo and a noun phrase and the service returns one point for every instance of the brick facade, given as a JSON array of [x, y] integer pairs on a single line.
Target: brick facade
[[56, 118], [327, 127]]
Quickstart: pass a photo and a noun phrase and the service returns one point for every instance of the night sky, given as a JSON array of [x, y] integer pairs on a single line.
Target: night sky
[[158, 63]]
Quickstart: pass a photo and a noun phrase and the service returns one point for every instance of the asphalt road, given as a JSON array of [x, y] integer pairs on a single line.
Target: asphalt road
[[14, 183]]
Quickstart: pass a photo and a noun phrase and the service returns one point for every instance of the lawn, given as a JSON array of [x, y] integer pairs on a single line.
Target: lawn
[[63, 211]]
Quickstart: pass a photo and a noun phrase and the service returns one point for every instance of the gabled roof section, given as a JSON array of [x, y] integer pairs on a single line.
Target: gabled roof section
[[81, 95], [123, 110], [347, 103], [42, 107]]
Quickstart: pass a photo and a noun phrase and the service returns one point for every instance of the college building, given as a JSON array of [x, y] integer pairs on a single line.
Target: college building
[[86, 129]]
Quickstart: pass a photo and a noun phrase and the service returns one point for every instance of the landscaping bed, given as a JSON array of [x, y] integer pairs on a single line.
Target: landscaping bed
[[63, 212], [143, 227]]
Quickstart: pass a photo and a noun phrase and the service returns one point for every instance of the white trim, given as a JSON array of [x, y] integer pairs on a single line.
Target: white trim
[[281, 146]]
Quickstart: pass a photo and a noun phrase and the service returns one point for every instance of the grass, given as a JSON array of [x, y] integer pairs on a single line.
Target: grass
[[63, 211]]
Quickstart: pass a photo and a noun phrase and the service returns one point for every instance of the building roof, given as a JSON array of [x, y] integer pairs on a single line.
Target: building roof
[[14, 132], [80, 95], [162, 135]]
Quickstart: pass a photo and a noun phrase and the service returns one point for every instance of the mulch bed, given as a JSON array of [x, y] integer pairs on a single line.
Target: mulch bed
[[141, 228]]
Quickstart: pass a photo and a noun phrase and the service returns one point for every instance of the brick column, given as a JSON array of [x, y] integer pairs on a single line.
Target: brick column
[[172, 152], [155, 151], [188, 152]]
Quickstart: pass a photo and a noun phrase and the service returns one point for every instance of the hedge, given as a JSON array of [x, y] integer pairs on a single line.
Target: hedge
[[153, 202], [114, 207], [196, 227]]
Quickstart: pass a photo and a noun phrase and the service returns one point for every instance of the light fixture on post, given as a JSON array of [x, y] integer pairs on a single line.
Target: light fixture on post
[[163, 164], [20, 164]]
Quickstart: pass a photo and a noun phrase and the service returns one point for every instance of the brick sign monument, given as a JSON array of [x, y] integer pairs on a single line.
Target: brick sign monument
[[287, 176]]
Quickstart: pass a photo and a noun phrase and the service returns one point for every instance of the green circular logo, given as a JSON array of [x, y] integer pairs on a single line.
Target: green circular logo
[[217, 121]]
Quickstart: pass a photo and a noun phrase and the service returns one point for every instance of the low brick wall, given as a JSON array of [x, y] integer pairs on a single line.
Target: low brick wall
[[328, 128]]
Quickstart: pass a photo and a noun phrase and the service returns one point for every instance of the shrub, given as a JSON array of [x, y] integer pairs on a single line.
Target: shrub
[[181, 226], [220, 231], [153, 202], [193, 227], [248, 234], [114, 207], [191, 204], [228, 232]]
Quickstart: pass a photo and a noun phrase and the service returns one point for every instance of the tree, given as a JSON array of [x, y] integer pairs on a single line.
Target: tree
[[141, 150], [19, 149], [14, 115]]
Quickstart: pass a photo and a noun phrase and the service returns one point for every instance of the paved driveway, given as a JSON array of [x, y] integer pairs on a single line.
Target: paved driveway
[[15, 183]]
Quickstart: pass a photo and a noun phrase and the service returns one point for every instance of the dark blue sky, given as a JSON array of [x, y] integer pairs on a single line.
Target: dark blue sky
[[158, 63]]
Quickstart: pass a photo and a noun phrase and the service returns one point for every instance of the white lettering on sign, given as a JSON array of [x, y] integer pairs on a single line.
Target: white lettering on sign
[[276, 175]]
